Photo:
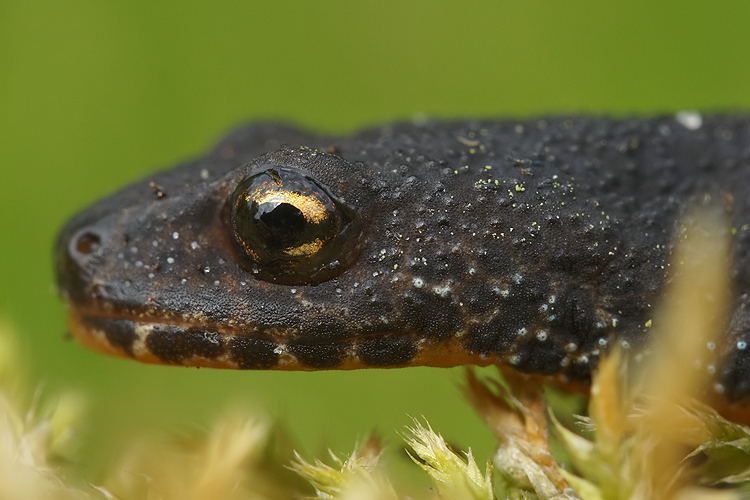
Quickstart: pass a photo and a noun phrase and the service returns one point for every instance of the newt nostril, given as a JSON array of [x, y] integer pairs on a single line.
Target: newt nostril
[[78, 253], [85, 245], [87, 242]]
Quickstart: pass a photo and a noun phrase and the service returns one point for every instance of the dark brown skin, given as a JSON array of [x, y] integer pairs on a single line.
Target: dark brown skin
[[536, 245]]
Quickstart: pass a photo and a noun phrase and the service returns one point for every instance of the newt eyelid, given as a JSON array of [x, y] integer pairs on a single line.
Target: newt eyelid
[[532, 244]]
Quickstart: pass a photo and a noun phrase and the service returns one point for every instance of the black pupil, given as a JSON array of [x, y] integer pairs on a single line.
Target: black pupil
[[282, 223]]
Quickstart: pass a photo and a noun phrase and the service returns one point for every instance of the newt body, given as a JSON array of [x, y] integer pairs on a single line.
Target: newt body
[[533, 244]]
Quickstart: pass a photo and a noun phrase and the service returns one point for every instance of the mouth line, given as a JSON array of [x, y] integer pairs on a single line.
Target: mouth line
[[174, 322], [177, 341], [166, 319]]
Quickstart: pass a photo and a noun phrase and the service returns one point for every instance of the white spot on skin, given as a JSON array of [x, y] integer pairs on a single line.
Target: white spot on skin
[[170, 260], [719, 388], [175, 235], [515, 359], [204, 174], [194, 245], [691, 120], [541, 335], [711, 346], [741, 345], [417, 282], [711, 369], [442, 291], [571, 347]]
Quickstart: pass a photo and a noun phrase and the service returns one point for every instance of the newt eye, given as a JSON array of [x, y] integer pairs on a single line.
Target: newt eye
[[289, 226]]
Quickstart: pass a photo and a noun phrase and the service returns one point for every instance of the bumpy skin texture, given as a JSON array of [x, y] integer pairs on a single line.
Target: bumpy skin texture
[[535, 244]]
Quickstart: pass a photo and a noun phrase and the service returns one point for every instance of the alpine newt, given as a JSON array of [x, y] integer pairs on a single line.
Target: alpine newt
[[532, 244]]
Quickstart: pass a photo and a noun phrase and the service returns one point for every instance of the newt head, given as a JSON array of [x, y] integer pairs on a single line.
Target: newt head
[[245, 259]]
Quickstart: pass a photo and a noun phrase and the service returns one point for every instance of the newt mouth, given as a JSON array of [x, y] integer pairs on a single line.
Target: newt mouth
[[157, 342], [161, 342]]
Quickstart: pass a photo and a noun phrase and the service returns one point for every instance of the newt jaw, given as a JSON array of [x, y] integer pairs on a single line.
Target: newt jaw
[[129, 341], [155, 342]]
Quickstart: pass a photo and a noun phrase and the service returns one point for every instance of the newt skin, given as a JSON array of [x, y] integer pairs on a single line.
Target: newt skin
[[533, 244]]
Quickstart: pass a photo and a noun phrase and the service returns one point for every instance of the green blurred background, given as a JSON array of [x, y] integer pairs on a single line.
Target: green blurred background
[[96, 94]]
